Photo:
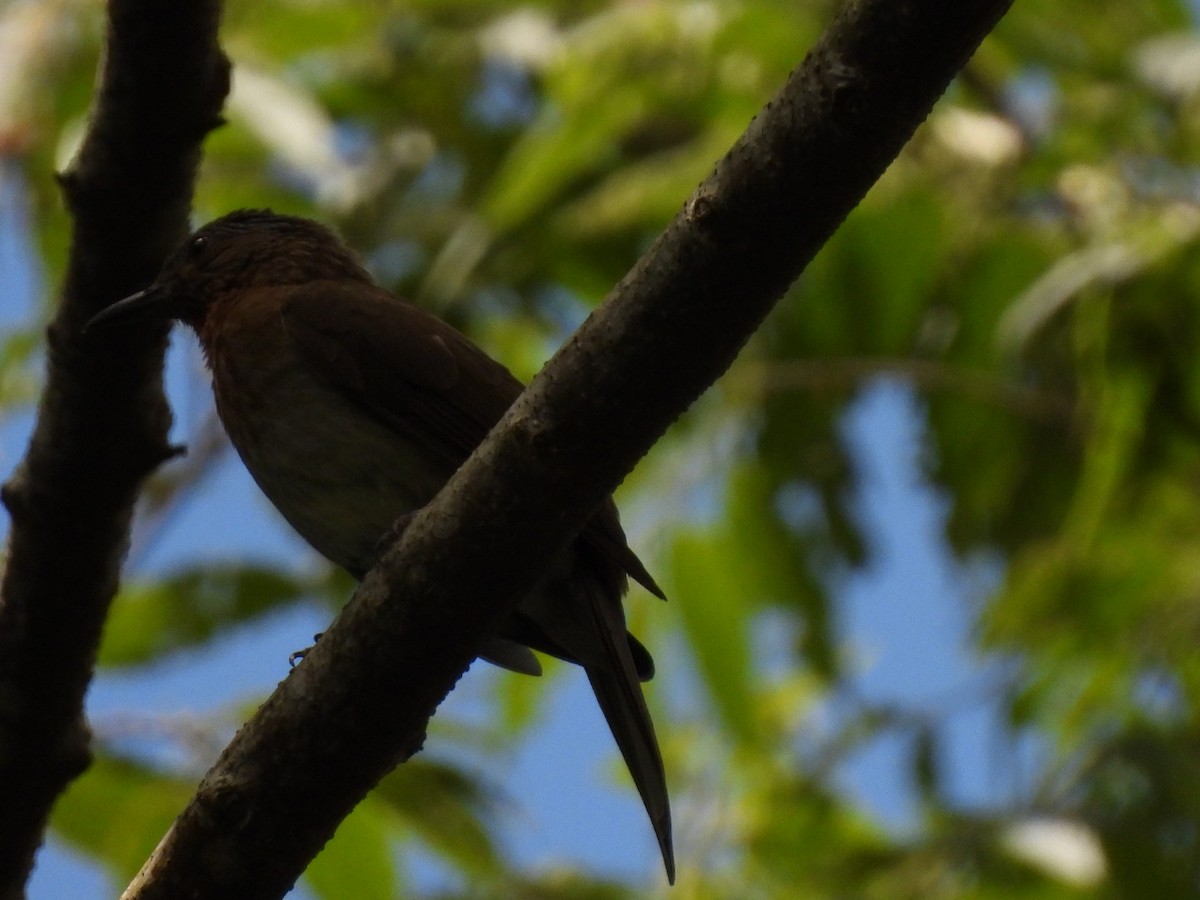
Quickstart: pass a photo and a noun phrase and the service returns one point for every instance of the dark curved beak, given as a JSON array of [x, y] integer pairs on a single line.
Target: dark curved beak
[[152, 303]]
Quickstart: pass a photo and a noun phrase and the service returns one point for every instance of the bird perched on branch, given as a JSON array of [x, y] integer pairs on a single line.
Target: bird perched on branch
[[351, 408]]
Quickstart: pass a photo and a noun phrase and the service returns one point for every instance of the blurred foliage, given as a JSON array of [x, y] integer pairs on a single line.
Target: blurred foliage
[[1027, 268]]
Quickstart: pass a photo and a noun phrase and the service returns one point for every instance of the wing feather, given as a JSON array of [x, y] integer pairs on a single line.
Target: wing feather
[[422, 378]]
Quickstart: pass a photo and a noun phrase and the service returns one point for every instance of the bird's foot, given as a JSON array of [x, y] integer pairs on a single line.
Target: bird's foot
[[296, 656], [393, 534]]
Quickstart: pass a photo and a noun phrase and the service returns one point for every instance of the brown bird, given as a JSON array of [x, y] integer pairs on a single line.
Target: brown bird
[[351, 408]]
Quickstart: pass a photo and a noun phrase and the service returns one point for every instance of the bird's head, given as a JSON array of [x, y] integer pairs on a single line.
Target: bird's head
[[246, 249]]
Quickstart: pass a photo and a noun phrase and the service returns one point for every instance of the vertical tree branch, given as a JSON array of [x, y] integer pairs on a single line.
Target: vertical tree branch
[[102, 421], [361, 699]]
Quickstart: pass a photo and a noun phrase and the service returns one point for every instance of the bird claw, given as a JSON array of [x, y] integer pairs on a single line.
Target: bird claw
[[296, 656], [393, 534]]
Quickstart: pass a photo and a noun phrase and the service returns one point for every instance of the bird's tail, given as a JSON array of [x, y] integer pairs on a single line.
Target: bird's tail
[[619, 693]]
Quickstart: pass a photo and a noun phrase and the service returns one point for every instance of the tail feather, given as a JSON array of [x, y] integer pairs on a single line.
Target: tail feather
[[620, 699], [619, 693]]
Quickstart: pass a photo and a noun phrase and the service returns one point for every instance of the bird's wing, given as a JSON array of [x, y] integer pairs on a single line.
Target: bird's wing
[[401, 365], [422, 378]]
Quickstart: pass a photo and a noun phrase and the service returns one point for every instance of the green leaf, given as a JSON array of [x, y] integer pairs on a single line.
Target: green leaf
[[118, 811], [189, 608], [772, 562], [358, 861], [445, 808], [716, 612]]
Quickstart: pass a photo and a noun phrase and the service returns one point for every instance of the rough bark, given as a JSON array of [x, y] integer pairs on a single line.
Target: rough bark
[[102, 421]]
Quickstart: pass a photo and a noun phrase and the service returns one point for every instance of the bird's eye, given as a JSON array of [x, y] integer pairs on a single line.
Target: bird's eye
[[197, 246]]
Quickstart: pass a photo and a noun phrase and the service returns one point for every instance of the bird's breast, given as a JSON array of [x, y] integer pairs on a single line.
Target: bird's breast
[[338, 476]]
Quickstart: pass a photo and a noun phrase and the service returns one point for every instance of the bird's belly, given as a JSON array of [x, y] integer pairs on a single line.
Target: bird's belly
[[340, 478]]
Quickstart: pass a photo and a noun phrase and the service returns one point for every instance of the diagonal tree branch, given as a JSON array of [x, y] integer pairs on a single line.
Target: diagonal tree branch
[[359, 703], [102, 421]]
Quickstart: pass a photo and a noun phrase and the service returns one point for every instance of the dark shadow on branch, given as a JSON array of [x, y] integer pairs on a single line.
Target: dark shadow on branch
[[360, 701], [102, 421]]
